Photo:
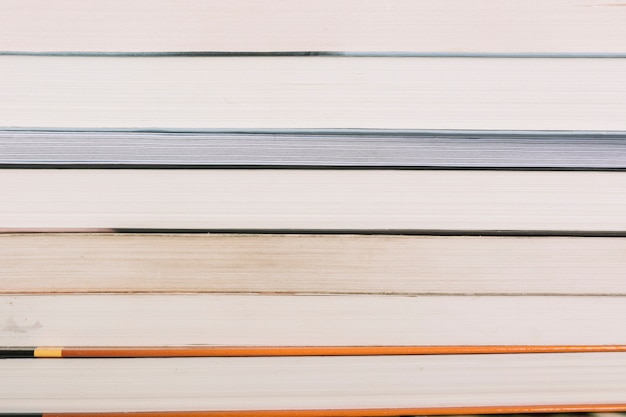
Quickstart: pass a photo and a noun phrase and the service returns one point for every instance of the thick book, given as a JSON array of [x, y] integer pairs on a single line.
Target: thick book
[[255, 93], [309, 320], [375, 385], [391, 201], [372, 149], [38, 263], [426, 26]]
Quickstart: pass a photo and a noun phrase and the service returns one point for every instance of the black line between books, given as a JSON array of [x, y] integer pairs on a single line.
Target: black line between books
[[393, 232], [468, 133], [423, 232], [339, 54], [178, 166]]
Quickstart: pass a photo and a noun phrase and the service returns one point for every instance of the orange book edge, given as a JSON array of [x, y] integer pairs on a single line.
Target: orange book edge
[[259, 351], [369, 412]]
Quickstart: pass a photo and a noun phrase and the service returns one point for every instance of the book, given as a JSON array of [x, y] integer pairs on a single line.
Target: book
[[376, 149], [188, 319], [205, 351], [391, 201], [376, 385], [238, 94], [311, 264], [302, 291], [479, 26]]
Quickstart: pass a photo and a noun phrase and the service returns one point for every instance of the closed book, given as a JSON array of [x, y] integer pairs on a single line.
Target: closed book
[[426, 26], [317, 386], [391, 201], [239, 94]]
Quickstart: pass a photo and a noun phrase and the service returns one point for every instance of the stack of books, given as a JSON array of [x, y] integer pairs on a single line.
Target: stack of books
[[312, 208]]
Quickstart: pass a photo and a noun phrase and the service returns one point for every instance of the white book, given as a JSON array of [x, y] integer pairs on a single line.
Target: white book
[[256, 93], [311, 264], [308, 320], [513, 26], [331, 200], [379, 384]]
